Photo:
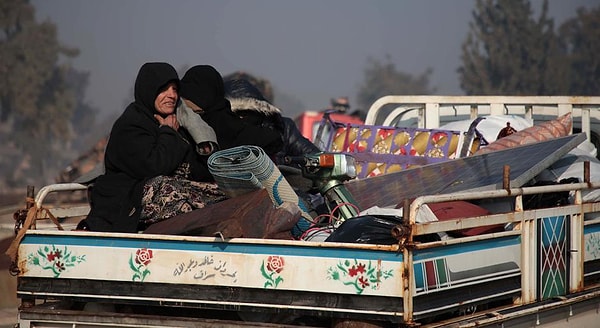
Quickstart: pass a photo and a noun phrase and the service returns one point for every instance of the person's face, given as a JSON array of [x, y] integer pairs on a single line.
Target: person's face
[[166, 101]]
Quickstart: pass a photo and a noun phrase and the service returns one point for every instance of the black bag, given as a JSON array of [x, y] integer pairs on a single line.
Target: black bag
[[367, 229], [372, 229]]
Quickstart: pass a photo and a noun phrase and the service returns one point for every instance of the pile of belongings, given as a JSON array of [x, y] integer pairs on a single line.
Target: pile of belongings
[[502, 133]]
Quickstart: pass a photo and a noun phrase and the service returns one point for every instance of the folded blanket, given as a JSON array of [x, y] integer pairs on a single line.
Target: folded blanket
[[201, 132], [558, 127], [249, 216], [242, 169]]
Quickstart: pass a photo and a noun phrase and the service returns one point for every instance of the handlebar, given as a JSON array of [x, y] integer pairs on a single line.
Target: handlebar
[[298, 160]]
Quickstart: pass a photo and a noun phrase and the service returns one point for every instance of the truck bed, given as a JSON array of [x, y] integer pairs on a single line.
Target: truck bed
[[549, 256]]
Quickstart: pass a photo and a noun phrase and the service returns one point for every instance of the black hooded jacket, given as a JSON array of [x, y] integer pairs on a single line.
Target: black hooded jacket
[[203, 85], [248, 103], [137, 150]]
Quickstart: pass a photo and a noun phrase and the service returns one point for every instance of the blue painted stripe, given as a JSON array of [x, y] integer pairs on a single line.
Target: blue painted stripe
[[419, 276], [447, 250], [591, 228], [216, 247]]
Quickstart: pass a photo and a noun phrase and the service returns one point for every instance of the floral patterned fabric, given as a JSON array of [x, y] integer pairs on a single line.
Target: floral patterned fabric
[[167, 196]]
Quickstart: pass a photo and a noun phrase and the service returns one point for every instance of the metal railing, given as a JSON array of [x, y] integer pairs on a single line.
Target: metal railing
[[525, 223], [429, 111]]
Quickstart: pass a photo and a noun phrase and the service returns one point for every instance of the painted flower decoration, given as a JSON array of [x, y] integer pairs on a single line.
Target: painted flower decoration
[[360, 275], [139, 265], [54, 259], [271, 271], [143, 256], [275, 263]]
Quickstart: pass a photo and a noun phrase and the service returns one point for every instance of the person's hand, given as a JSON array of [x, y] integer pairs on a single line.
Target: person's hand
[[206, 148], [170, 120]]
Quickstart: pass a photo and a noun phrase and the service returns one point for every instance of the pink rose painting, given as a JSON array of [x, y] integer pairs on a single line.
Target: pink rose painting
[[271, 269], [139, 264]]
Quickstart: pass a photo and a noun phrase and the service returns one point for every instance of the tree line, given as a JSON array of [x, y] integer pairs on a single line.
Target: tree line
[[509, 51], [45, 122]]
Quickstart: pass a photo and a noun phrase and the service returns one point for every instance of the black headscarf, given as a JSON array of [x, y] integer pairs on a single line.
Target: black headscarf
[[203, 85], [151, 78]]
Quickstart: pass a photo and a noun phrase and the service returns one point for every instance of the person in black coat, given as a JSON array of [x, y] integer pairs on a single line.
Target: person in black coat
[[146, 151], [240, 115], [203, 91], [248, 103]]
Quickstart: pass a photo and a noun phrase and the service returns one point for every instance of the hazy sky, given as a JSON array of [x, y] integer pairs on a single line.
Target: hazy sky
[[313, 50]]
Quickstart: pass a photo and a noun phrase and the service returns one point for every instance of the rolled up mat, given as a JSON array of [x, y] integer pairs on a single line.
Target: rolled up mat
[[242, 169]]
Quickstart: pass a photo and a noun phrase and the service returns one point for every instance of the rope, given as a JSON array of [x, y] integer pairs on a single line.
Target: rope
[[32, 215]]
